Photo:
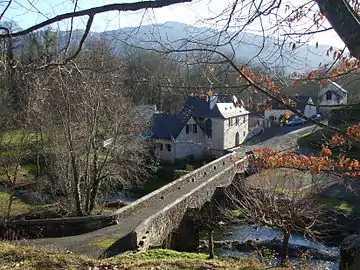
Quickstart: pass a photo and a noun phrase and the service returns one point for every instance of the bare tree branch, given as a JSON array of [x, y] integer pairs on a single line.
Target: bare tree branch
[[6, 8], [97, 10]]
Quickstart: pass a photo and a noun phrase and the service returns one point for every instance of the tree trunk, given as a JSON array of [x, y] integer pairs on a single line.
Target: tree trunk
[[284, 251], [345, 22], [211, 244], [95, 183], [11, 199]]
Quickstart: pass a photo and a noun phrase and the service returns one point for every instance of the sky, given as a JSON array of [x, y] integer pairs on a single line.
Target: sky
[[28, 12]]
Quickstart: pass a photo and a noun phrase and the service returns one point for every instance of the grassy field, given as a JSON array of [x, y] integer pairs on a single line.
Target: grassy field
[[19, 206], [341, 206], [17, 149], [14, 257], [25, 175]]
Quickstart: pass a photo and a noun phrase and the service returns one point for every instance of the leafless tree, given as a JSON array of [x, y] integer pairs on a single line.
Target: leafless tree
[[92, 126], [15, 146], [282, 202]]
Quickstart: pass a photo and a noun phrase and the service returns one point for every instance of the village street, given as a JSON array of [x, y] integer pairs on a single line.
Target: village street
[[279, 138]]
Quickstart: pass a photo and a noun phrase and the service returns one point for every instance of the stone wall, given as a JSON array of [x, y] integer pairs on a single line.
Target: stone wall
[[208, 170], [154, 230], [54, 227]]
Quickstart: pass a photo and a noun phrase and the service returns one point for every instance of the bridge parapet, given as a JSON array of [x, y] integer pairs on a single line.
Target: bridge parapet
[[204, 172], [153, 231]]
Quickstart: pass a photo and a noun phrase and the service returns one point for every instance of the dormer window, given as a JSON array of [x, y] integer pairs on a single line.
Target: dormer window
[[328, 95]]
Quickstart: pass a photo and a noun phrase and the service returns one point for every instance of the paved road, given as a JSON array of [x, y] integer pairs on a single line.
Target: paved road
[[280, 131], [85, 243], [281, 138]]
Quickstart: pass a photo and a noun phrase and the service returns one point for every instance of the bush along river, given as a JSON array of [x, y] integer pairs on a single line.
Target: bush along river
[[266, 243]]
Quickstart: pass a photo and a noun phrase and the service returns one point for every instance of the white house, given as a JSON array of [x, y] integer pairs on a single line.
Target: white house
[[331, 94], [303, 104], [206, 124]]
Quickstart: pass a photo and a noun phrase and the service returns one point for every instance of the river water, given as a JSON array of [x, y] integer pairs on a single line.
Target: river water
[[247, 232]]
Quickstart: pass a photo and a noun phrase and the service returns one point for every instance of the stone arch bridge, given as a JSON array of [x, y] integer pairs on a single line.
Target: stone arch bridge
[[150, 220]]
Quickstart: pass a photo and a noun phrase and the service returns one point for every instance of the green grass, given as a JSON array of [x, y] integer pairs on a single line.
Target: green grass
[[25, 175], [163, 254], [237, 213], [105, 243], [22, 257], [339, 205], [19, 207], [19, 138]]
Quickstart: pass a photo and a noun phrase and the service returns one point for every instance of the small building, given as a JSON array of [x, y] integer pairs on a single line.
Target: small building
[[206, 124], [274, 115], [331, 94]]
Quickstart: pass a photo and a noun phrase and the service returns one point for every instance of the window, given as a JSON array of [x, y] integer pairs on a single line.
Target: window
[[208, 127], [168, 147], [191, 128], [229, 122], [328, 95], [237, 121], [244, 121], [244, 133], [161, 146]]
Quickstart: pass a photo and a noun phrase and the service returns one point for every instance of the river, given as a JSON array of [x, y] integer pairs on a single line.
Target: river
[[247, 232]]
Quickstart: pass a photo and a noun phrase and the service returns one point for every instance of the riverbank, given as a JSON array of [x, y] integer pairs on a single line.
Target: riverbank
[[15, 257], [263, 242]]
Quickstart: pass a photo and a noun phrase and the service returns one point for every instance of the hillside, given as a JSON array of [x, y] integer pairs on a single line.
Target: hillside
[[246, 45]]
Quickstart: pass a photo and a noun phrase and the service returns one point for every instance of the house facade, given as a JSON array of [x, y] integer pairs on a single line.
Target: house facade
[[303, 104], [331, 94], [205, 124]]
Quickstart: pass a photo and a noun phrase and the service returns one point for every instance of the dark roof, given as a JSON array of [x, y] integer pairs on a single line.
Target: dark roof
[[200, 107], [301, 102], [167, 126]]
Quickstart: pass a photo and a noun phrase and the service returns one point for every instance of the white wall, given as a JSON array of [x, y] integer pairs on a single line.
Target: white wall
[[231, 129], [164, 154], [191, 143], [309, 110], [217, 138], [334, 100], [197, 144], [276, 113]]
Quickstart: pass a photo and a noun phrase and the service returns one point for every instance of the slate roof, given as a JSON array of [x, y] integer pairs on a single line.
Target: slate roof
[[167, 126], [301, 102], [218, 106], [170, 126], [338, 86]]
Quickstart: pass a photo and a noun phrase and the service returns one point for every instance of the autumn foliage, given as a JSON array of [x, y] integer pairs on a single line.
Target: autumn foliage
[[266, 158]]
